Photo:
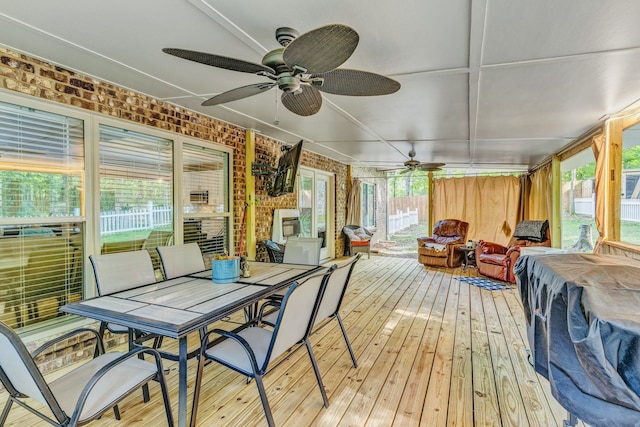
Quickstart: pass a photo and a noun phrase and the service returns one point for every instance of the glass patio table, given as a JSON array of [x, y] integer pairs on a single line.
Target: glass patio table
[[177, 307]]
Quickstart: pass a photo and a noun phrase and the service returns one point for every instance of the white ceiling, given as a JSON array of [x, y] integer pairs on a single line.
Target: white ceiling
[[486, 84]]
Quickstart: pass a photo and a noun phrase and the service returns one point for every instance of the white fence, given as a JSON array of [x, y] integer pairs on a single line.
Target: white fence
[[402, 220], [629, 208], [135, 219]]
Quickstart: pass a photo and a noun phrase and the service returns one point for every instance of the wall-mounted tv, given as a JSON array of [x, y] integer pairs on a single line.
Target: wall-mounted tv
[[284, 180]]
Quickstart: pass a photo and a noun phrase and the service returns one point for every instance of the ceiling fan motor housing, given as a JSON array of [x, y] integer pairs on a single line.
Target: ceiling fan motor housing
[[286, 35]]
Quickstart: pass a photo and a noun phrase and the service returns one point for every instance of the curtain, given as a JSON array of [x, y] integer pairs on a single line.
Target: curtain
[[599, 152], [354, 203], [490, 204], [540, 194]]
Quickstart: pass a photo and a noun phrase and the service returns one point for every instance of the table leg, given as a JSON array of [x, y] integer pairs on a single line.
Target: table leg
[[182, 382]]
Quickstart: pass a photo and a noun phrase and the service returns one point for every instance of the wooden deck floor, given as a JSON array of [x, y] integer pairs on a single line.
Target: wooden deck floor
[[431, 350]]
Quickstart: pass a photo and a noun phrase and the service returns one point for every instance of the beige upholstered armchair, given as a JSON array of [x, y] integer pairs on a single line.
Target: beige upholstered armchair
[[440, 249]]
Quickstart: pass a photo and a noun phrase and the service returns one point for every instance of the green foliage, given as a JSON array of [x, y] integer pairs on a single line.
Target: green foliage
[[631, 158], [409, 184]]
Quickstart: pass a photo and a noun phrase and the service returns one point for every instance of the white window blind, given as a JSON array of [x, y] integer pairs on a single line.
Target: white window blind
[[136, 191], [206, 197], [41, 234]]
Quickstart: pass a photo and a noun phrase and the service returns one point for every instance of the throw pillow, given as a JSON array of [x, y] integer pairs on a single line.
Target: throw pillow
[[362, 234], [351, 234]]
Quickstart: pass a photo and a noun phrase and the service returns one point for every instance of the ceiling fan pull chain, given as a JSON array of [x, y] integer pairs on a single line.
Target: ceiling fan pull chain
[[276, 122]]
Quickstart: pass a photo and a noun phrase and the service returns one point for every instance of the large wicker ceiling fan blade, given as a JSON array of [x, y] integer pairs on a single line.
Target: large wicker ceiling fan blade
[[239, 93], [219, 61], [430, 167], [344, 81], [322, 49], [304, 103]]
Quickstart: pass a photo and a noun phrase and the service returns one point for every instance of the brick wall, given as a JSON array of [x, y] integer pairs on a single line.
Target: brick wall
[[20, 73], [30, 76]]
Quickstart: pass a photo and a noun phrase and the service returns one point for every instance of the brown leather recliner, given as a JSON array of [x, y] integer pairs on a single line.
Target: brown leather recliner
[[497, 261], [440, 249]]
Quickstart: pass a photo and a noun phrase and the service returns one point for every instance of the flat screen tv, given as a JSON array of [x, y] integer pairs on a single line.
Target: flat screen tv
[[284, 180]]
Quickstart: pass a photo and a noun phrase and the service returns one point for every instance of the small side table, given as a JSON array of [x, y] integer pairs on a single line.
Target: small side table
[[469, 257]]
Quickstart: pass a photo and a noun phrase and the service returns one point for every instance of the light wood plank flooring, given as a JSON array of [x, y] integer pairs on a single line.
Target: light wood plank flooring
[[431, 351]]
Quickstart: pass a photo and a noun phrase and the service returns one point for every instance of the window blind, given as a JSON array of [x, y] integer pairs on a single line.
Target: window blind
[[41, 234]]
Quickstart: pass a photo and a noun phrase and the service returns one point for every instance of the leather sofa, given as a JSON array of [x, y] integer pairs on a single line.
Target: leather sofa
[[440, 250], [497, 261]]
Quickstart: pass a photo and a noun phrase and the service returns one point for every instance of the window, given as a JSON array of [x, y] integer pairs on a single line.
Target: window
[[630, 183], [41, 231], [136, 191], [205, 188], [368, 204], [578, 202]]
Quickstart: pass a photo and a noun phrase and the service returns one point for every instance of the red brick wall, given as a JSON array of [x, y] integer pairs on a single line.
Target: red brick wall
[[20, 73]]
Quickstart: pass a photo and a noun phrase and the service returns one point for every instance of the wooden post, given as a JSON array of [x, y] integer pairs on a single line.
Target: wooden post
[[556, 203], [250, 194]]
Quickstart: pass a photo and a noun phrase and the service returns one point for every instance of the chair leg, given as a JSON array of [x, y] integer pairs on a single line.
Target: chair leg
[[165, 397], [317, 372], [346, 340], [5, 411], [196, 390], [265, 403]]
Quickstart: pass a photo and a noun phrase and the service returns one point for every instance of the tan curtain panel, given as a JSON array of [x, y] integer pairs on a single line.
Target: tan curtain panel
[[599, 152], [540, 194], [490, 204], [354, 203]]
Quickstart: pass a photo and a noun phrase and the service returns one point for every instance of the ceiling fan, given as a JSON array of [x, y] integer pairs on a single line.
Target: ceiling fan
[[303, 67], [412, 165]]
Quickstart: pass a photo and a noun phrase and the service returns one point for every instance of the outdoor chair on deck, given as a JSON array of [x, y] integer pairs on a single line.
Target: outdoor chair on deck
[[120, 271], [302, 250], [331, 301], [274, 250], [357, 239], [252, 349], [441, 248], [83, 394], [179, 260]]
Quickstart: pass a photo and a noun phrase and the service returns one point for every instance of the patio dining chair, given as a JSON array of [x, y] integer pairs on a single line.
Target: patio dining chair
[[179, 260], [82, 394], [302, 250], [120, 271], [252, 350], [329, 308]]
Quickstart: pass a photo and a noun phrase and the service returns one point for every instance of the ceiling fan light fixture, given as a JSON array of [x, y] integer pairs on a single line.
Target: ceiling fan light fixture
[[288, 83]]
